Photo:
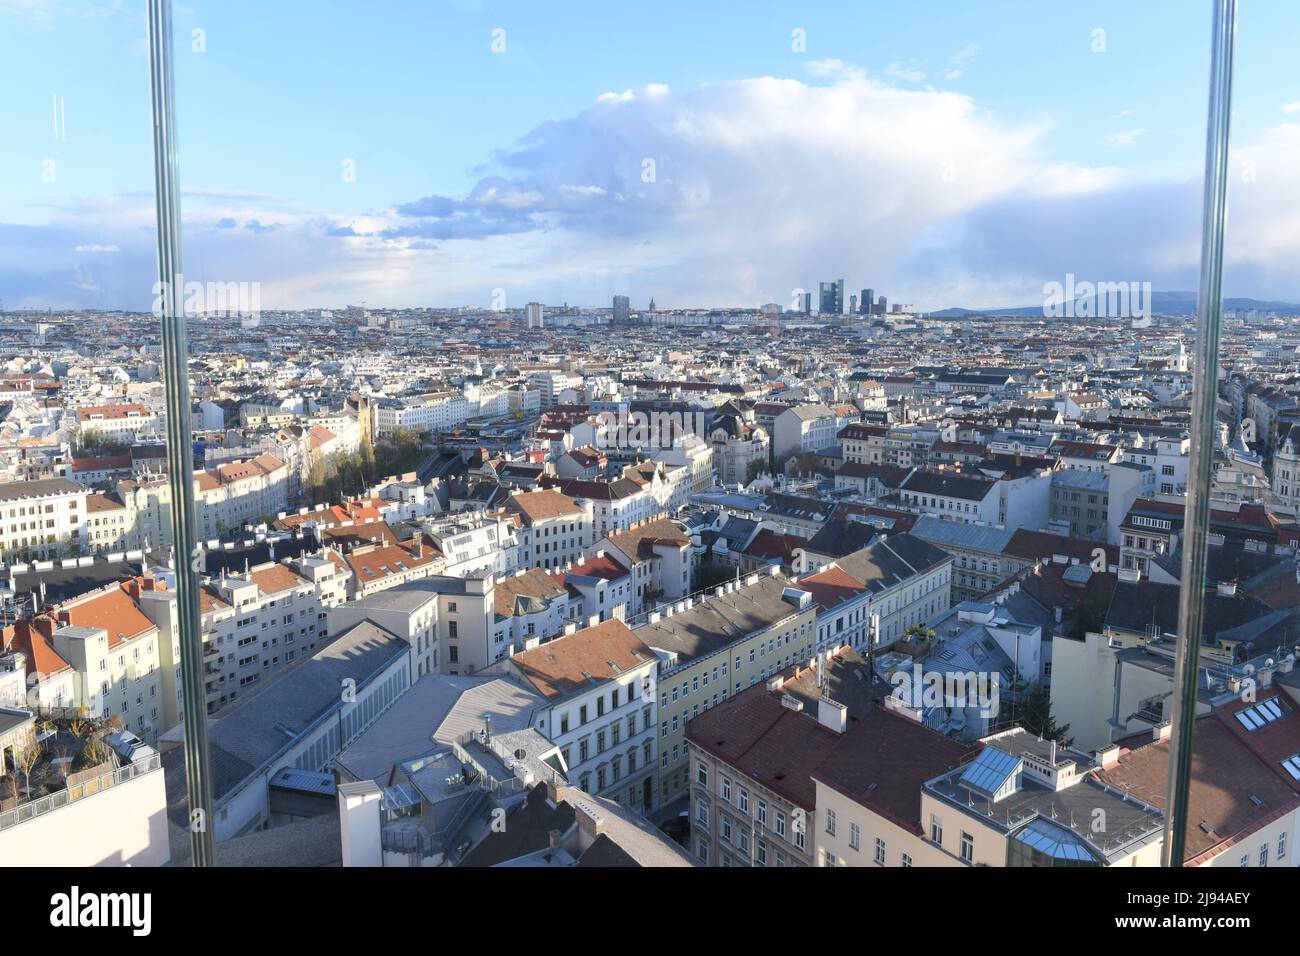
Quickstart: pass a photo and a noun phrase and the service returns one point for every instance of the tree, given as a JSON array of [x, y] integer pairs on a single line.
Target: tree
[[26, 757], [755, 468], [1089, 615], [1035, 715]]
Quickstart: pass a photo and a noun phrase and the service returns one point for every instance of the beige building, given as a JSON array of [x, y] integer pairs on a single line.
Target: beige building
[[715, 646], [1024, 801], [99, 652], [555, 528], [753, 799]]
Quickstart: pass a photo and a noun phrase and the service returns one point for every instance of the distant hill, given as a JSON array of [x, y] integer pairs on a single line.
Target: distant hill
[[1162, 303]]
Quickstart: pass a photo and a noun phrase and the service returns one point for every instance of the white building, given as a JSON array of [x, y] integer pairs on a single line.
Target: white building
[[599, 688]]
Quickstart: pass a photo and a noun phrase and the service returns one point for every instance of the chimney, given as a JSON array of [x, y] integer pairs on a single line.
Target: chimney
[[553, 838], [359, 818], [1162, 732], [591, 824], [832, 714], [1108, 756]]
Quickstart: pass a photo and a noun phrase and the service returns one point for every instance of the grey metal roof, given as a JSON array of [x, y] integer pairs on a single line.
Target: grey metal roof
[[16, 490], [435, 711], [954, 534], [257, 729]]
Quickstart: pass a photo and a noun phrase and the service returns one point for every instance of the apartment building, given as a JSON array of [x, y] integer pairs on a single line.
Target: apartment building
[[751, 758], [979, 562], [100, 652], [121, 422], [1025, 801], [736, 445], [109, 524], [472, 541], [226, 498], [867, 792], [616, 505], [378, 567], [805, 428], [601, 589], [253, 624], [433, 412], [409, 611], [1168, 460], [967, 499], [599, 689], [657, 555], [716, 645], [554, 527], [42, 518], [530, 605], [882, 589], [241, 492]]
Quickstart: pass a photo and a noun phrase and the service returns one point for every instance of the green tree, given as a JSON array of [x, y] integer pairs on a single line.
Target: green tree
[[1034, 713]]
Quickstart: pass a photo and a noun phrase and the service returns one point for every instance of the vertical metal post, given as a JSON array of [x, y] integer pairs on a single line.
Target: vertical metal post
[[1205, 387], [180, 462]]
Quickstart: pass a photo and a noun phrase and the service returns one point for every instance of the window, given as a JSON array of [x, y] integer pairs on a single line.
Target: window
[[780, 823], [1263, 854], [726, 789], [855, 836], [880, 851], [905, 860], [702, 775], [936, 830], [967, 847], [762, 816], [830, 821]]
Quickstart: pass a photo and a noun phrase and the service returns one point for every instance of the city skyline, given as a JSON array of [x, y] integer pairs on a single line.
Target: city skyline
[[335, 185]]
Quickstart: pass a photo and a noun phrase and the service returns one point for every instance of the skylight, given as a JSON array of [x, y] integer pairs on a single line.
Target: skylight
[[1265, 712]]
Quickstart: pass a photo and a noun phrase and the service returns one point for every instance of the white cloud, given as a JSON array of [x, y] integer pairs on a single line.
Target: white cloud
[[733, 193], [833, 69], [1292, 107], [911, 71], [1126, 137]]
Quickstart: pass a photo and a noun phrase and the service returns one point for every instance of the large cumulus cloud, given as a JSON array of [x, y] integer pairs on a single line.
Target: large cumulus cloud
[[730, 194]]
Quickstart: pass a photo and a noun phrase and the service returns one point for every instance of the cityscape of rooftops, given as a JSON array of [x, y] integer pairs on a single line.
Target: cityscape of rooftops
[[765, 436]]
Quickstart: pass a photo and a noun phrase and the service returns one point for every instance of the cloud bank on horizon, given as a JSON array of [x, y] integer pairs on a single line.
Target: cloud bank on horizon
[[731, 194]]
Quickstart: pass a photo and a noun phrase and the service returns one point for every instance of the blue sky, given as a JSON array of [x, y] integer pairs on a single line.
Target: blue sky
[[941, 152]]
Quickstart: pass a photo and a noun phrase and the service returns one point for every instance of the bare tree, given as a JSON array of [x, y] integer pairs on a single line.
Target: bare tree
[[26, 757]]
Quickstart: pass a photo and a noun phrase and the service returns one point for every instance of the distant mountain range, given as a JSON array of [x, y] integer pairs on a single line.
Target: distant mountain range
[[1162, 303]]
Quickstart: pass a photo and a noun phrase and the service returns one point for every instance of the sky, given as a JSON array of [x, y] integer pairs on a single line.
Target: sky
[[723, 153]]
